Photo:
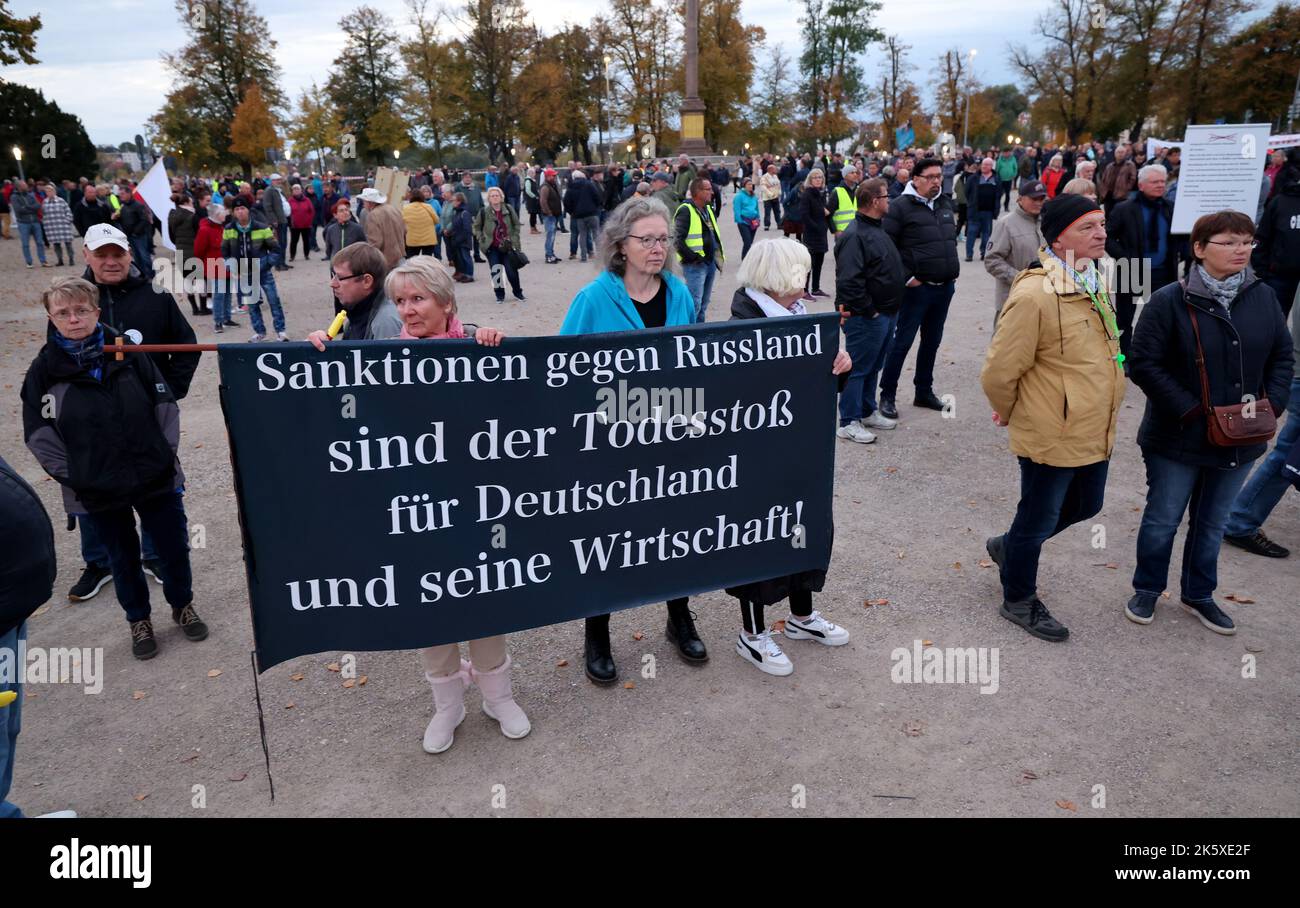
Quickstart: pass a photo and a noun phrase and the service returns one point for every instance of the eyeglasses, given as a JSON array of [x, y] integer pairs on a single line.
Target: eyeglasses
[[650, 242], [932, 176], [347, 277], [64, 314], [1234, 244]]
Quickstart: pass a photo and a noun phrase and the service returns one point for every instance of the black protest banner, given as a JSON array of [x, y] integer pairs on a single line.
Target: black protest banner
[[402, 494]]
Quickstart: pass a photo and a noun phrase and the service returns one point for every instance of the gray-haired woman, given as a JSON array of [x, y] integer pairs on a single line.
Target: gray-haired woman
[[634, 291], [815, 214]]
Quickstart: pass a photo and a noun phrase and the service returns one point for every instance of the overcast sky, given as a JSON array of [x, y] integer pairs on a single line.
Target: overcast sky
[[100, 59]]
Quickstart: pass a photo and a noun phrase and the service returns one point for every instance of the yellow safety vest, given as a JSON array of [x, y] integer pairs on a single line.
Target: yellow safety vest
[[695, 237], [844, 212]]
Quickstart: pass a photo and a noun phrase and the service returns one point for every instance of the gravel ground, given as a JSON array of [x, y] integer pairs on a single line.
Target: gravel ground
[[1160, 716]]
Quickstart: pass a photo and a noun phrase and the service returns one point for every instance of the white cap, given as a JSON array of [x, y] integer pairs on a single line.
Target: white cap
[[99, 234], [276, 176], [371, 194]]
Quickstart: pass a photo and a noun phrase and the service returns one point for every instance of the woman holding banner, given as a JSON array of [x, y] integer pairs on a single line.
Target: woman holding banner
[[635, 291], [425, 298], [771, 286]]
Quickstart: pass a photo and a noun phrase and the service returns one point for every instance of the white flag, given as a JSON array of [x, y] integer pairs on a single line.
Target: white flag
[[156, 191]]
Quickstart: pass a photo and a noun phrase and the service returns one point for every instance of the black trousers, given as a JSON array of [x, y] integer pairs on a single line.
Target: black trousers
[[751, 613], [599, 624]]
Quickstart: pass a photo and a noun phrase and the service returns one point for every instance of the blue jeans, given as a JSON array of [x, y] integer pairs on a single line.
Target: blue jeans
[[583, 230], [164, 518], [981, 224], [460, 258], [281, 237], [549, 222], [924, 309], [1051, 500], [502, 271], [1205, 494], [220, 301], [699, 280], [10, 723], [32, 231], [93, 550], [866, 340], [266, 279], [746, 237], [1269, 483]]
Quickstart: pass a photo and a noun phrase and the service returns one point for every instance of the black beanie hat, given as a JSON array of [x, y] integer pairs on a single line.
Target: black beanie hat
[[1061, 212]]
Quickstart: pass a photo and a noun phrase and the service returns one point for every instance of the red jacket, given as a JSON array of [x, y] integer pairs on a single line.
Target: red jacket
[[207, 246], [1052, 181], [302, 213]]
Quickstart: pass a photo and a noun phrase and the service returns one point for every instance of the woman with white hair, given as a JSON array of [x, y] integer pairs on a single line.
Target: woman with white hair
[[422, 290], [771, 286], [634, 291], [1053, 175]]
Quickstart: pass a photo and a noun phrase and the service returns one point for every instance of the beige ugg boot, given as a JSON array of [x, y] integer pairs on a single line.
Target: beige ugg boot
[[499, 702], [448, 711]]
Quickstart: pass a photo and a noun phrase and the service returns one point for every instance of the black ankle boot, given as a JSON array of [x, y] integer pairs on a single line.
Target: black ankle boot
[[681, 631], [600, 662]]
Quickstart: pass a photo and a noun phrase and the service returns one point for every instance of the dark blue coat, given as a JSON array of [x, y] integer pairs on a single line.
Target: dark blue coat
[[1247, 351]]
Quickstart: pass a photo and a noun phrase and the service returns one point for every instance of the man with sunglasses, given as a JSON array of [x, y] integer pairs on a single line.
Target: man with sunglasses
[[357, 279]]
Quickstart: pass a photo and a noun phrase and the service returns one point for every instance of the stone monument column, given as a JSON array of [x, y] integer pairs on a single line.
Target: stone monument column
[[692, 141]]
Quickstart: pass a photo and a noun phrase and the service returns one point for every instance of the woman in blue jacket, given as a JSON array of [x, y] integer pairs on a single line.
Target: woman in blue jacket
[[744, 207], [635, 291]]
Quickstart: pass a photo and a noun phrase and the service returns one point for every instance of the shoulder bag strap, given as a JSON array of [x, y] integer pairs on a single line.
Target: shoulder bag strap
[[1200, 356]]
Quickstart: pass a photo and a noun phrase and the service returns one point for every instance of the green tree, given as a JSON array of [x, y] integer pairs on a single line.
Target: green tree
[[726, 68], [365, 78], [54, 143], [643, 41], [430, 71], [229, 48], [315, 126], [773, 102], [488, 61], [1072, 72], [1261, 61], [560, 93], [899, 101], [179, 133], [17, 37], [835, 35]]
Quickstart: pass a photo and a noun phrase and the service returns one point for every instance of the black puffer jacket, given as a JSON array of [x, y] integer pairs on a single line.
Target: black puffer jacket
[[1278, 252], [26, 537], [868, 269], [135, 304], [1247, 351], [926, 239], [110, 442]]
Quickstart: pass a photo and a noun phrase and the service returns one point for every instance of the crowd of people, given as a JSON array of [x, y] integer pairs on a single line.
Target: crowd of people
[[1211, 349]]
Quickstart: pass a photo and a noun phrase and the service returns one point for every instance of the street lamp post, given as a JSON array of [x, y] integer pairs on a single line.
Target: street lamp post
[[18, 156], [965, 130], [608, 60]]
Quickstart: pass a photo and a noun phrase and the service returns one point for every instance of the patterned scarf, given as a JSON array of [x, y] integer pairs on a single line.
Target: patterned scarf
[[87, 353], [1224, 291]]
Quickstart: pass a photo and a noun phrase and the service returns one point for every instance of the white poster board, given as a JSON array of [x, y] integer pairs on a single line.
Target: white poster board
[[1222, 168]]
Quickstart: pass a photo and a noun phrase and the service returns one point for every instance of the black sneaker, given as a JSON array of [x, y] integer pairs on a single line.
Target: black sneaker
[[92, 581], [190, 623], [152, 567], [228, 323], [1258, 544], [218, 329], [887, 408], [143, 644], [1211, 616], [1141, 609], [928, 400], [996, 547], [1034, 617]]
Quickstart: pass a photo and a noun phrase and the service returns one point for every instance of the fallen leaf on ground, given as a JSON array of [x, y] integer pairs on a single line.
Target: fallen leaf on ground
[[190, 758], [956, 565], [237, 776], [332, 667], [638, 636], [1068, 805], [628, 685], [913, 729], [138, 695], [1164, 595], [870, 602], [985, 563], [1250, 648], [562, 663], [214, 673], [891, 469], [289, 705], [297, 676], [351, 682], [901, 553], [927, 643], [1028, 775], [1241, 600], [361, 682], [142, 795]]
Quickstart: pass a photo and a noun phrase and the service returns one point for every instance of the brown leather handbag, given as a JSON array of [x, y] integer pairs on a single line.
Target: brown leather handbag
[[1237, 425]]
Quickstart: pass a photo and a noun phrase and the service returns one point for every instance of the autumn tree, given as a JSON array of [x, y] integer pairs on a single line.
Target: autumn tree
[[726, 68], [835, 35], [899, 100], [951, 85], [364, 81], [1072, 68], [644, 43], [228, 49], [252, 130], [560, 93], [773, 102], [1259, 67], [179, 133], [430, 71], [315, 126]]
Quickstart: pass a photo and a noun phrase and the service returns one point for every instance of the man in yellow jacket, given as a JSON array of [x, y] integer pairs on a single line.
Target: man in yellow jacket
[[1054, 376]]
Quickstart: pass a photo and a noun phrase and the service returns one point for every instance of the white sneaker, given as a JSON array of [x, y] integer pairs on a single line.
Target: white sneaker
[[854, 432], [815, 627], [282, 336], [257, 338], [878, 420], [764, 653], [59, 815]]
